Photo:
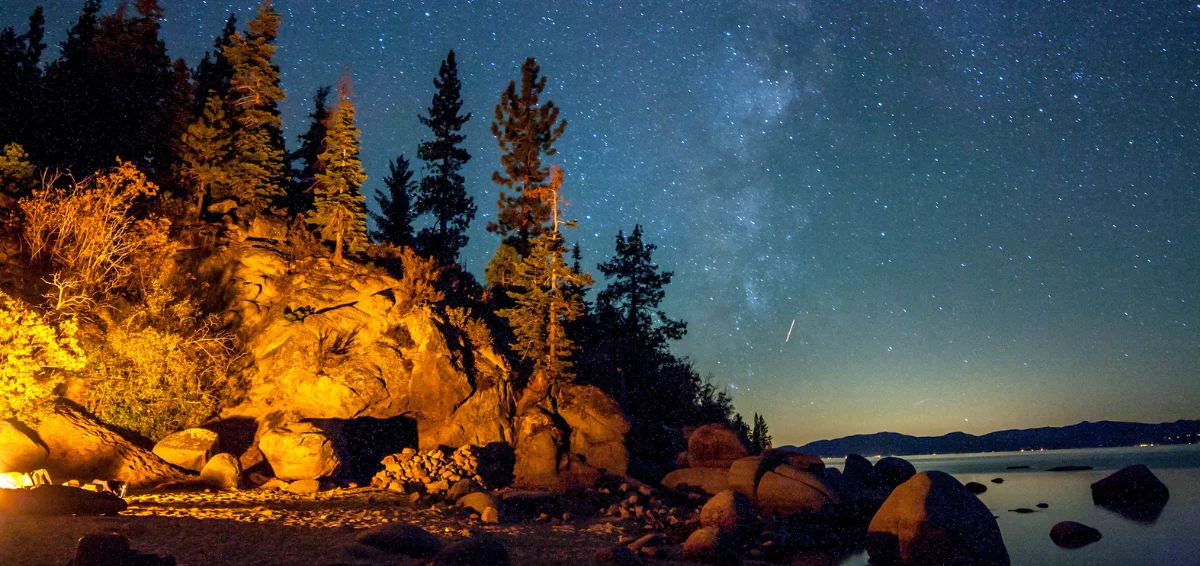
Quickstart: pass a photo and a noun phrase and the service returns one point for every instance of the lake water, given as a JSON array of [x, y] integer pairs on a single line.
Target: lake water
[[1172, 539]]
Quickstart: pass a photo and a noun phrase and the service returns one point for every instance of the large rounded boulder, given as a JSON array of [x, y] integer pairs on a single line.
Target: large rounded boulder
[[892, 471], [189, 448], [709, 480], [931, 519], [82, 448], [786, 490], [714, 445], [301, 451], [598, 426]]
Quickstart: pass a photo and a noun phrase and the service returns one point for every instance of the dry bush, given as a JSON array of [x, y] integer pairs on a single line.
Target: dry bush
[[301, 243], [418, 286], [34, 356], [332, 347], [162, 369], [86, 233]]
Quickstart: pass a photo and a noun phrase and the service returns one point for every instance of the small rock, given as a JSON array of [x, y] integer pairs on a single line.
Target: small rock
[[1022, 510], [1072, 468], [399, 538], [101, 549], [1043, 505], [975, 487], [729, 510], [490, 515], [711, 545], [1069, 534], [304, 487], [221, 471], [473, 552], [997, 480], [618, 554], [478, 501]]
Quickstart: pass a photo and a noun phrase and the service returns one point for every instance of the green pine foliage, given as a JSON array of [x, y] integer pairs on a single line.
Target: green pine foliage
[[636, 290], [544, 301], [340, 210], [19, 59], [206, 154], [257, 169], [442, 193], [393, 224], [526, 130]]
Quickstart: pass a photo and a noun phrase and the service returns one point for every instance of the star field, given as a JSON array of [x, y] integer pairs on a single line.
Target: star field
[[979, 216]]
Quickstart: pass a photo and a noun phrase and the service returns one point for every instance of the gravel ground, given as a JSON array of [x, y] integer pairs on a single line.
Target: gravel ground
[[261, 527]]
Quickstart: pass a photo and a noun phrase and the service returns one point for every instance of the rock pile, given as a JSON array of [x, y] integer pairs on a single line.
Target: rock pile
[[434, 470]]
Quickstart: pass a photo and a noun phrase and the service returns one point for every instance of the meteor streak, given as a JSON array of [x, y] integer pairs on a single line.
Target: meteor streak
[[789, 336]]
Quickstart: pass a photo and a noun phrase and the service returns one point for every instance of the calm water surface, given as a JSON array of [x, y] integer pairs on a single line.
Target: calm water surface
[[1173, 539]]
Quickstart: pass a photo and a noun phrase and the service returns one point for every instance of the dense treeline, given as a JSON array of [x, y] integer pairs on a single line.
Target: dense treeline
[[161, 152]]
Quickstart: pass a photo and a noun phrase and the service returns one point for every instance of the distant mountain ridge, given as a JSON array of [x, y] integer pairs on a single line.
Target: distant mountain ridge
[[1086, 434]]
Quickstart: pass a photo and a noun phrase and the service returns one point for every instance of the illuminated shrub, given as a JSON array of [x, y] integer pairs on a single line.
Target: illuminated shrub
[[34, 356], [162, 369], [87, 234]]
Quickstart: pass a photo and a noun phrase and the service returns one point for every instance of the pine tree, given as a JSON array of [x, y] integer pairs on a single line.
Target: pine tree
[[525, 130], [177, 116], [393, 224], [636, 291], [300, 198], [543, 304], [760, 436], [206, 153], [20, 89], [215, 72], [257, 171], [339, 205], [72, 106], [441, 192]]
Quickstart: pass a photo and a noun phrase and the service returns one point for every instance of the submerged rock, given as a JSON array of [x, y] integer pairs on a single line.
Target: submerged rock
[[1133, 492], [975, 487], [933, 519], [1069, 534]]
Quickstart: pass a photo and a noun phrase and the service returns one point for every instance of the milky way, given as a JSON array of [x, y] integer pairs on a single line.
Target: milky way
[[978, 218]]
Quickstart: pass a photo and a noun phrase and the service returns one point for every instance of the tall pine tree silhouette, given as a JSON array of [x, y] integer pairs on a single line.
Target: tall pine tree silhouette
[[20, 91], [300, 190], [526, 130], [257, 170], [214, 73], [441, 192], [340, 212], [393, 224]]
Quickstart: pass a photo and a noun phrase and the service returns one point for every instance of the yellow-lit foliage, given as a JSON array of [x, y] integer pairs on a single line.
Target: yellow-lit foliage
[[475, 328], [34, 356], [418, 285], [86, 233], [160, 370], [16, 172]]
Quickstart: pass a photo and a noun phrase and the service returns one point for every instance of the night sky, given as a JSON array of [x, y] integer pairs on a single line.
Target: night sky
[[978, 217]]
